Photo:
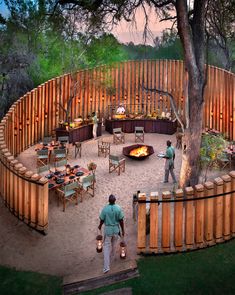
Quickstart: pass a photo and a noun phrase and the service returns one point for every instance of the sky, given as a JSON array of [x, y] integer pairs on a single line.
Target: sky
[[128, 32]]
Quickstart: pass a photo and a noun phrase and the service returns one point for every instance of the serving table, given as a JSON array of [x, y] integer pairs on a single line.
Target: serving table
[[150, 125], [78, 134]]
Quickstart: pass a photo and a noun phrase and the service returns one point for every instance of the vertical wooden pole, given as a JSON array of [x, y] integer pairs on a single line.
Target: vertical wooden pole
[[199, 216], [21, 192], [218, 217], [27, 197], [141, 233], [34, 201], [227, 207], [153, 245], [232, 175], [178, 220], [189, 219], [166, 222], [42, 210], [209, 213]]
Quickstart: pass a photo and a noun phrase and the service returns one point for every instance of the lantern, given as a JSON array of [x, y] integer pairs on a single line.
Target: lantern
[[68, 169], [99, 243], [122, 250]]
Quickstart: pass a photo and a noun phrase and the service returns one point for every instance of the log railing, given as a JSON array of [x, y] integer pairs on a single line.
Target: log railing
[[180, 225], [38, 112]]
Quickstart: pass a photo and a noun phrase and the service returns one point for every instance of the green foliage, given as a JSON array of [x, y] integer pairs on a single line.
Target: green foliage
[[212, 147], [14, 282]]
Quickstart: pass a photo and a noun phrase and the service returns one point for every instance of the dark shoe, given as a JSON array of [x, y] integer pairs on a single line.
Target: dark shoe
[[165, 181]]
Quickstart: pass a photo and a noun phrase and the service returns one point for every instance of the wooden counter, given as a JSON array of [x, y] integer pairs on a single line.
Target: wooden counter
[[150, 126], [81, 133]]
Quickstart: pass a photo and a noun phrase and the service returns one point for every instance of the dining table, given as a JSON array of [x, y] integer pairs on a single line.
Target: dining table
[[58, 179]]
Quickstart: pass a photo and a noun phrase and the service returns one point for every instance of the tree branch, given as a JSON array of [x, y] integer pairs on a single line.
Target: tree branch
[[172, 101]]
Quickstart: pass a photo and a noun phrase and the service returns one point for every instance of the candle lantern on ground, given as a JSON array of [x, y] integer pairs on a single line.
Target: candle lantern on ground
[[99, 243], [122, 249]]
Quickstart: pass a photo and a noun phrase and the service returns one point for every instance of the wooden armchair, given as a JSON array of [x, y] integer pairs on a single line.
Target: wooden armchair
[[78, 149], [68, 193], [87, 186], [116, 164], [118, 136], [139, 134], [103, 148], [42, 157]]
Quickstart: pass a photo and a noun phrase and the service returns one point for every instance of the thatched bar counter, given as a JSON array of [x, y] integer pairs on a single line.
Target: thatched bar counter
[[150, 125]]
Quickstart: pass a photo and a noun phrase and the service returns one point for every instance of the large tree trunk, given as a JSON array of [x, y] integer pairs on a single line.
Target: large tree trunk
[[192, 36], [189, 173]]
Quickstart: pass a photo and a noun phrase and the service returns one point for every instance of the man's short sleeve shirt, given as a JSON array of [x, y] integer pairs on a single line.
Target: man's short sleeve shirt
[[111, 215]]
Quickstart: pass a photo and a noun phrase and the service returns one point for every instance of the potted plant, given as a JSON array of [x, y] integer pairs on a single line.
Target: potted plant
[[92, 166]]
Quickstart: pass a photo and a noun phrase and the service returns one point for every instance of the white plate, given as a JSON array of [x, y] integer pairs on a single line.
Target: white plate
[[161, 155]]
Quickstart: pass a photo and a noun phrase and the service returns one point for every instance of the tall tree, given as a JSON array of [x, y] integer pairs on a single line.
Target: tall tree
[[191, 30], [221, 27]]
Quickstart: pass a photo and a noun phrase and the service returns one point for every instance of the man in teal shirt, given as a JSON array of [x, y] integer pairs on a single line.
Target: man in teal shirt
[[169, 165], [112, 216]]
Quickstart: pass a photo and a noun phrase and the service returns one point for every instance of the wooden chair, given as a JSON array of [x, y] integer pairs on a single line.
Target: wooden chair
[[47, 140], [116, 164], [60, 154], [118, 136], [78, 149], [224, 161], [42, 157], [63, 139], [87, 186], [139, 134], [60, 163], [103, 148], [68, 193], [43, 168]]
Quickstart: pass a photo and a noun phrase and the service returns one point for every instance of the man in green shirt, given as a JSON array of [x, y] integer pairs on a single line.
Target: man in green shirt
[[169, 165], [112, 216]]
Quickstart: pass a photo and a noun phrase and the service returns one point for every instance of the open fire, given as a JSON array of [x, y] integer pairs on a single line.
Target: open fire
[[138, 151]]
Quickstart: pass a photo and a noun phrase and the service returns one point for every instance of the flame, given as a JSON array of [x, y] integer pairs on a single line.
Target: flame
[[139, 152]]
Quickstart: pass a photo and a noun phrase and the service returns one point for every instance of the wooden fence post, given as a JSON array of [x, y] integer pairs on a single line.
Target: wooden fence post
[[153, 244], [141, 238], [218, 216], [166, 222], [34, 201], [232, 175], [27, 197], [189, 219], [199, 217], [42, 204], [209, 213], [178, 220], [21, 192], [227, 207]]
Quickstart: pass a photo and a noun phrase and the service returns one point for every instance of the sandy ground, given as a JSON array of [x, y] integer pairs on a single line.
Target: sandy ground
[[69, 246]]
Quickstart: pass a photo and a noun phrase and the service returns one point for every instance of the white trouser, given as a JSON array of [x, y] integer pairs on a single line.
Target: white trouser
[[110, 243], [94, 131]]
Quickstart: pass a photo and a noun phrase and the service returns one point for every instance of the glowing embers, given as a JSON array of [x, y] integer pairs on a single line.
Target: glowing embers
[[138, 151]]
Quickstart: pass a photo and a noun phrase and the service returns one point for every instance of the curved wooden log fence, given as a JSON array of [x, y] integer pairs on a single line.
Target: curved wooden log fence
[[38, 112], [183, 225]]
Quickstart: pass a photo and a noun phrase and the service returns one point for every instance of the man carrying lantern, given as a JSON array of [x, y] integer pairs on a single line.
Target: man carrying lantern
[[112, 216]]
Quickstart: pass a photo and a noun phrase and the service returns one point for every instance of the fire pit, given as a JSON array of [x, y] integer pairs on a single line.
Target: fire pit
[[138, 151]]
